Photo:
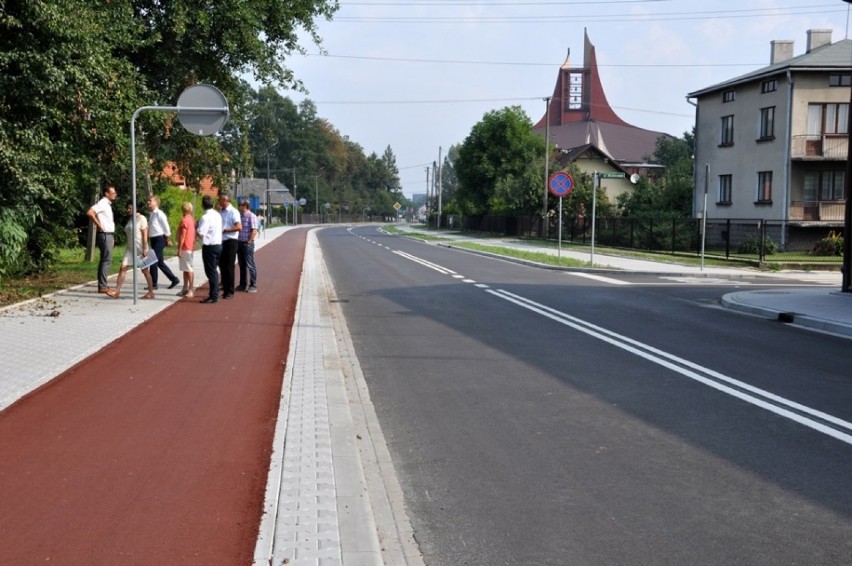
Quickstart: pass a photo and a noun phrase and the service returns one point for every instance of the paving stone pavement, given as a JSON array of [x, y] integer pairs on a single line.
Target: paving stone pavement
[[319, 507]]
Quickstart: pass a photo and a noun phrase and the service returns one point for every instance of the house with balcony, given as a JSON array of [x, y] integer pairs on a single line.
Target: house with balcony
[[771, 145]]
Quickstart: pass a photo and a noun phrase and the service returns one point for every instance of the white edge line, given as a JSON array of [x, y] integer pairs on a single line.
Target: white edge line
[[592, 331]]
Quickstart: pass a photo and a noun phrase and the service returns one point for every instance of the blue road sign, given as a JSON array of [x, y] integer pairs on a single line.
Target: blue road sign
[[560, 184]]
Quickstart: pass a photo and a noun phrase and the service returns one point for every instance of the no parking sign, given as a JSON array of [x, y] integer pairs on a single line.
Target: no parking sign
[[560, 184]]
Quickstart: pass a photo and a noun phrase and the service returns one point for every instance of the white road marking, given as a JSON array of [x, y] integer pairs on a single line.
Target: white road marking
[[423, 262], [715, 281], [601, 278], [811, 418], [754, 395]]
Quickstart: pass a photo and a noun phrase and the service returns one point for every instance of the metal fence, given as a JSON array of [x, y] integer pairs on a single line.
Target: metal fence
[[760, 241]]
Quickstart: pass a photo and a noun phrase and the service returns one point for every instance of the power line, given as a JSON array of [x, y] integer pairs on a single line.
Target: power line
[[478, 100], [527, 64], [609, 18]]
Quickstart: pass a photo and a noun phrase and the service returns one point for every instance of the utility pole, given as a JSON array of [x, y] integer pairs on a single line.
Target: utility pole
[[316, 195], [428, 207], [268, 203], [295, 200], [544, 225], [440, 190], [435, 186]]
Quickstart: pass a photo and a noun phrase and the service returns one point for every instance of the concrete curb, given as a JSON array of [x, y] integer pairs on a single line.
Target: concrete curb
[[736, 301]]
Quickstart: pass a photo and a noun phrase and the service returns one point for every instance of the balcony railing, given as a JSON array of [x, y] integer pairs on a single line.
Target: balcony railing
[[816, 211], [824, 146]]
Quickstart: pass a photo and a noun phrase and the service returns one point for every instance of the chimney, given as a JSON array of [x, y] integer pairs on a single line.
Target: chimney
[[818, 38], [782, 49]]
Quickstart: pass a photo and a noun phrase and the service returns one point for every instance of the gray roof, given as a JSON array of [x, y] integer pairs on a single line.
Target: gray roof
[[572, 154], [279, 193], [622, 143], [837, 56]]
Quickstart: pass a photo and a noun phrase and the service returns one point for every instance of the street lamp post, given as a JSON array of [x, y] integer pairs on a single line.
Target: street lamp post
[[316, 193], [295, 199]]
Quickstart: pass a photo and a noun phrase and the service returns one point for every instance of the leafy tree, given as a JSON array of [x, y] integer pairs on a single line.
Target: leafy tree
[[670, 195], [579, 202], [449, 178], [64, 104], [497, 165], [72, 72]]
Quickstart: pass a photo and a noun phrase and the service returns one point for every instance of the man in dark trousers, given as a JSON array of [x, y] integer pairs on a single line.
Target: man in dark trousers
[[230, 243], [209, 231], [245, 252], [101, 215], [160, 233]]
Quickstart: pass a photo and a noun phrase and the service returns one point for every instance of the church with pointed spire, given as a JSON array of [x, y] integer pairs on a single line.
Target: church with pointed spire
[[579, 115]]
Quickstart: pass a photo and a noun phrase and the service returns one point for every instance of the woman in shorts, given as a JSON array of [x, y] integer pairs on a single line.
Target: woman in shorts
[[186, 249]]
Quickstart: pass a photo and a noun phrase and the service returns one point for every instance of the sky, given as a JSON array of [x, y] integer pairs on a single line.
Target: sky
[[418, 75]]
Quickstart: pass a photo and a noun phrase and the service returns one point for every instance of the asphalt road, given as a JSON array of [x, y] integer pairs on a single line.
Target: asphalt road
[[544, 417]]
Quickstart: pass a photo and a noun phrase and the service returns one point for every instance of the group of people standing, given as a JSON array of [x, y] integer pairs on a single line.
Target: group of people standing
[[227, 236]]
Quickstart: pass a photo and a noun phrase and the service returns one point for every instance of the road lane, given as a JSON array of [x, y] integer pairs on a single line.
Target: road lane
[[521, 441]]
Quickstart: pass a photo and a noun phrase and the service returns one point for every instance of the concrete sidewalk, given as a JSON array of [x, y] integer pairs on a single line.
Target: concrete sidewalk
[[44, 337]]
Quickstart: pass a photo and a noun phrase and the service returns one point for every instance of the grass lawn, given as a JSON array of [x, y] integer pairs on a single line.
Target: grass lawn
[[538, 257], [70, 269], [422, 235]]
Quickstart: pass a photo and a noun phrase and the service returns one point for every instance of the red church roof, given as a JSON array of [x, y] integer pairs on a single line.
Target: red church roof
[[580, 114]]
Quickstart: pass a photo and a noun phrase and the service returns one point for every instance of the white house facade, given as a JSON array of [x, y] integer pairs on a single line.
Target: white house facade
[[771, 145]]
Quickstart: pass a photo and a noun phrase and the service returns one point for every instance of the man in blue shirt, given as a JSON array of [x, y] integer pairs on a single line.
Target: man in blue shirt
[[245, 251]]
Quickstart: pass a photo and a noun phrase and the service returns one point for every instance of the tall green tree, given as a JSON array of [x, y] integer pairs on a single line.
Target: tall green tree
[[671, 194], [498, 165], [65, 101], [72, 72], [449, 179]]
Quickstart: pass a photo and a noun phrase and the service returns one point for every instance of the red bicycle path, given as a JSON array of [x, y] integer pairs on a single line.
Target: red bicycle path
[[156, 449]]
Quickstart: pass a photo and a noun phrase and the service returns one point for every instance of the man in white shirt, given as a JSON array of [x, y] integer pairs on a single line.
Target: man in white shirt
[[209, 231], [230, 243], [101, 215], [159, 232]]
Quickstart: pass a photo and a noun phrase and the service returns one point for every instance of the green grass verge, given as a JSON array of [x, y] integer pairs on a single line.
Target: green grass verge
[[70, 269], [421, 235], [538, 257]]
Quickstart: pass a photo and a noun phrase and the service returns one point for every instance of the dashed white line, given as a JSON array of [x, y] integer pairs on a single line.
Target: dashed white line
[[811, 418]]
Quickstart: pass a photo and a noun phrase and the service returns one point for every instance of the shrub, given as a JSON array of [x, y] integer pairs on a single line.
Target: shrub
[[831, 245], [751, 245]]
